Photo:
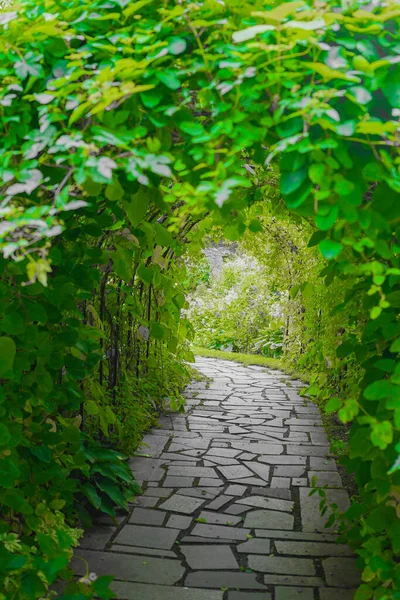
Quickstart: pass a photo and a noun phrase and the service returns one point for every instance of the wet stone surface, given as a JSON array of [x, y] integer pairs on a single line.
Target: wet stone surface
[[226, 512]]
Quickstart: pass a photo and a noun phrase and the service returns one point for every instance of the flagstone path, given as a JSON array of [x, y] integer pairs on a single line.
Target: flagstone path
[[226, 512]]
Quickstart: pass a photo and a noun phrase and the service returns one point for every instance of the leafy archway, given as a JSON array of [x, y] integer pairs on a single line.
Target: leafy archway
[[124, 125]]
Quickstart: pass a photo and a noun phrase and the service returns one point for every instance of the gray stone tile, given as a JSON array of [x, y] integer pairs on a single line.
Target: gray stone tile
[[219, 502], [224, 452], [150, 537], [143, 516], [206, 493], [294, 593], [193, 539], [177, 482], [312, 549], [297, 535], [249, 596], [156, 493], [142, 569], [209, 557], [283, 460], [147, 469], [221, 579], [317, 463], [297, 580], [336, 594], [308, 450], [270, 492], [311, 518], [237, 509], [341, 572], [321, 478], [268, 519], [280, 482], [174, 471], [282, 566], [206, 482], [236, 490], [300, 482], [182, 504], [216, 460], [260, 448], [97, 537], [254, 546], [142, 551], [253, 481], [268, 503], [153, 444], [146, 501], [219, 518], [220, 531], [235, 472], [289, 471], [137, 591], [179, 522]]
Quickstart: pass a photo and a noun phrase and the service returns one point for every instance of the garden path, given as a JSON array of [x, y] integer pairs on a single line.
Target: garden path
[[226, 512]]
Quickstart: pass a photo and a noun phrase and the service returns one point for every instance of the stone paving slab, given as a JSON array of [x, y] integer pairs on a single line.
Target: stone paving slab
[[226, 512], [129, 591]]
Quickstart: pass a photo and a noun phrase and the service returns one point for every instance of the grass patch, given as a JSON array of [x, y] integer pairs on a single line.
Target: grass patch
[[251, 359], [245, 359]]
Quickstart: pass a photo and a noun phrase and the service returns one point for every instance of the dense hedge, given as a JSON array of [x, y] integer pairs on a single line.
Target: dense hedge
[[124, 124]]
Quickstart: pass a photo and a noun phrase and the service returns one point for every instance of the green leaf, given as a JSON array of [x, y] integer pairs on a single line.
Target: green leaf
[[192, 128], [146, 274], [395, 347], [7, 354], [123, 263], [390, 86], [156, 330], [394, 299], [4, 435], [382, 434], [330, 249], [333, 405], [163, 236], [169, 79], [101, 587], [114, 191], [177, 45], [250, 33], [113, 492], [291, 181], [381, 518], [327, 221], [91, 494], [136, 207], [378, 390]]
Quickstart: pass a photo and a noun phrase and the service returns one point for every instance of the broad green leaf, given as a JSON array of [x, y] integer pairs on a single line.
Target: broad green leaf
[[136, 207], [177, 45], [378, 390], [328, 73], [333, 405], [330, 249], [390, 86], [291, 181], [382, 434], [146, 274], [7, 354], [250, 33]]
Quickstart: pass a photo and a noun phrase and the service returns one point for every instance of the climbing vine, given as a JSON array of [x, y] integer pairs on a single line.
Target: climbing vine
[[126, 124]]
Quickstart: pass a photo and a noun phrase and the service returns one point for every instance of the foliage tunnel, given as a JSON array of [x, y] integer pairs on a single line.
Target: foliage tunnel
[[125, 125]]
